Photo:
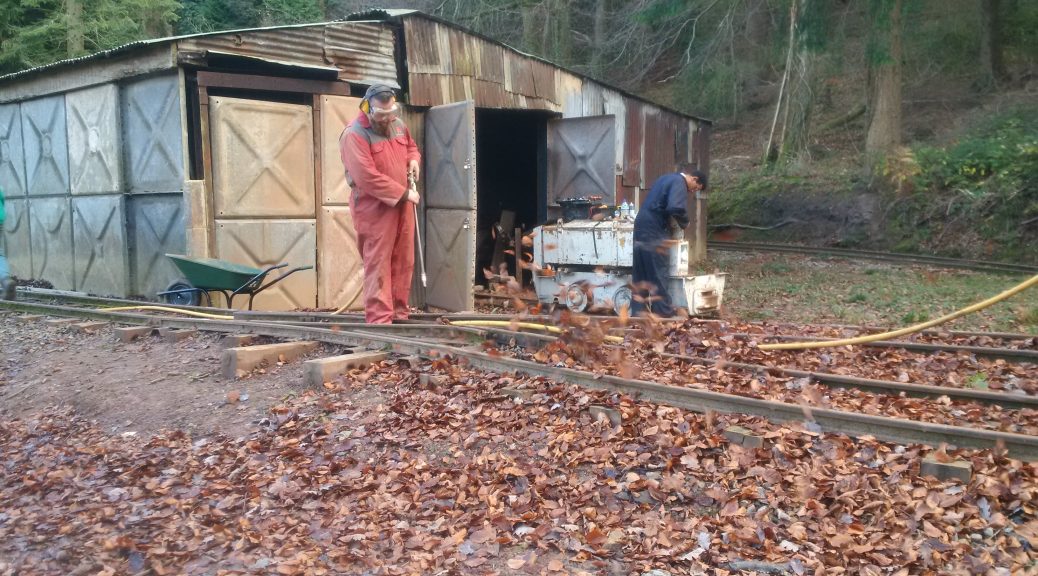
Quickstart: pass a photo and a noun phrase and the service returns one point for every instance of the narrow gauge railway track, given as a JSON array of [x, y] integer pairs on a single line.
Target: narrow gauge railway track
[[899, 430], [894, 257], [888, 387], [353, 320], [427, 328]]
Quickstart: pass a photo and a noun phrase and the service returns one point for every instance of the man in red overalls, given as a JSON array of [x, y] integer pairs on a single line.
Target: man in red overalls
[[378, 153]]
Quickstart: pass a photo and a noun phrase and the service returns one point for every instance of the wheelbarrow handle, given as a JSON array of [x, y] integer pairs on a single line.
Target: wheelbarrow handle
[[282, 276]]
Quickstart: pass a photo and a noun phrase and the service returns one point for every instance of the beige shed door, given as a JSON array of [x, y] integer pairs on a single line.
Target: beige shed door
[[263, 158], [265, 199], [341, 280]]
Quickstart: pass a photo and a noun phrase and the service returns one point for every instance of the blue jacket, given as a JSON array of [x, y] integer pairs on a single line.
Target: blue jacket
[[667, 198]]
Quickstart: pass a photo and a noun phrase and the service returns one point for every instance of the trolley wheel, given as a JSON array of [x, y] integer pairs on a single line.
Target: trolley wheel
[[182, 298], [577, 298], [622, 299]]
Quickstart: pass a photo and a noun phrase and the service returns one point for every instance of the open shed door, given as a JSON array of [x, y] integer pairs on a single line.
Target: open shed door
[[582, 158], [450, 205]]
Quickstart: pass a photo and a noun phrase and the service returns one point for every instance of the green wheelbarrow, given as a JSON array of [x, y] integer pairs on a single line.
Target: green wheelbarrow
[[205, 275]]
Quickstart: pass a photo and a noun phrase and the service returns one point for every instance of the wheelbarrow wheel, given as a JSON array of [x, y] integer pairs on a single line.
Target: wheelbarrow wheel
[[182, 298]]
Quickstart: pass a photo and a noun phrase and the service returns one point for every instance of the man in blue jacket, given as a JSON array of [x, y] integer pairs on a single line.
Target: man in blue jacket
[[663, 214], [7, 286]]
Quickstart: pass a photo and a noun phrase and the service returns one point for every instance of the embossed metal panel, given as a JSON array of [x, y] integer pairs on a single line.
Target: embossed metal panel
[[450, 156], [263, 158], [263, 243], [100, 259], [50, 230], [152, 135], [16, 234], [340, 270], [336, 113], [46, 146], [581, 158], [12, 153], [450, 258], [450, 205], [94, 141], [155, 227]]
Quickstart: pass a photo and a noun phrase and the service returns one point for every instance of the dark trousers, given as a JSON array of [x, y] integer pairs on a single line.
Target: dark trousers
[[649, 291]]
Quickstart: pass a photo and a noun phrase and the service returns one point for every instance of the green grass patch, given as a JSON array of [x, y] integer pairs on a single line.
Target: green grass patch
[[806, 290], [857, 297], [1029, 317], [978, 381], [776, 268]]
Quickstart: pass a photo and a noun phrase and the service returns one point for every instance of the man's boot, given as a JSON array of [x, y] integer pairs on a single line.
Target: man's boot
[[8, 288]]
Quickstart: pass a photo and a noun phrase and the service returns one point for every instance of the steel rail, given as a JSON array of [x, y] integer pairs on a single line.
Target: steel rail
[[1004, 353], [892, 429], [888, 387], [1003, 399], [352, 317], [527, 339], [898, 430], [978, 265], [86, 299]]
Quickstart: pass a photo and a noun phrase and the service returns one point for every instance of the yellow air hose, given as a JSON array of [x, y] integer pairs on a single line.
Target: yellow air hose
[[903, 331], [527, 325], [165, 309]]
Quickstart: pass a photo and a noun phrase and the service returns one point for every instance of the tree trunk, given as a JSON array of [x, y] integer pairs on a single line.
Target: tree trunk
[[796, 138], [770, 149], [598, 38], [532, 42], [559, 20], [991, 69], [755, 45], [812, 21], [884, 132], [75, 45]]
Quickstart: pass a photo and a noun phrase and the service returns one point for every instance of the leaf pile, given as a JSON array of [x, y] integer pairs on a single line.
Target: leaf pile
[[641, 358], [718, 340], [402, 471]]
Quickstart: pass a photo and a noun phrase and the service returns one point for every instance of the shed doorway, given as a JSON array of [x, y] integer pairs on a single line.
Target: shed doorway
[[511, 182]]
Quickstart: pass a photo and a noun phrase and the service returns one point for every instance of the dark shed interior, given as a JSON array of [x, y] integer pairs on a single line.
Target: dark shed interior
[[511, 176]]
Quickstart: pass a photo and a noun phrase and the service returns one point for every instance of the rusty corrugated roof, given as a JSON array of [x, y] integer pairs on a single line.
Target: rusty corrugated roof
[[424, 52], [363, 52]]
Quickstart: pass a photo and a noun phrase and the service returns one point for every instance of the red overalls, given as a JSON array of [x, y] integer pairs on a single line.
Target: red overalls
[[376, 168]]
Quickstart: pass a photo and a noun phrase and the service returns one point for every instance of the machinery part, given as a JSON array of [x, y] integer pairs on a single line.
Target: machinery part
[[577, 298], [622, 300], [182, 293]]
